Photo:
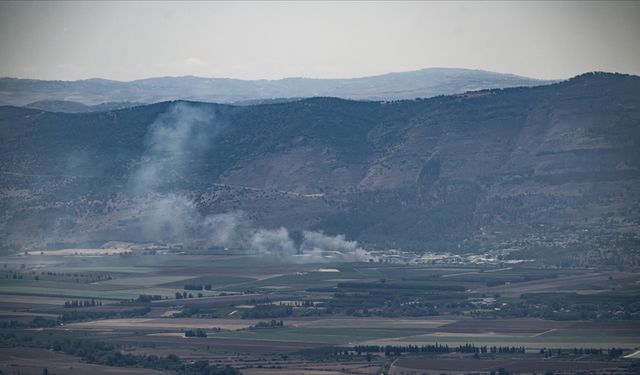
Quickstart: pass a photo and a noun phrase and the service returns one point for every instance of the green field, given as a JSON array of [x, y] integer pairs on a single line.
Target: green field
[[362, 303], [214, 280], [568, 342]]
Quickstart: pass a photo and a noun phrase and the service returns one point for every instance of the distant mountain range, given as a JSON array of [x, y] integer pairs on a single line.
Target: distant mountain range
[[76, 107], [407, 85], [553, 168]]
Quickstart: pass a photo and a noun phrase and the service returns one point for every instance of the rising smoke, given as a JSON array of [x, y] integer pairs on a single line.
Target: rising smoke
[[180, 136]]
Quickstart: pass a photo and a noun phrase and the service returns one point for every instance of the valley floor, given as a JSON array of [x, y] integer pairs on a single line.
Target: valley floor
[[270, 318]]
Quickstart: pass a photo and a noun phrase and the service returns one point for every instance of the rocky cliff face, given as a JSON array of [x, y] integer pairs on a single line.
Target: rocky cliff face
[[554, 166]]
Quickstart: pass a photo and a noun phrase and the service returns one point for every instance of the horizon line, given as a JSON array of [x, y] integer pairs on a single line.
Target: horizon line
[[298, 77]]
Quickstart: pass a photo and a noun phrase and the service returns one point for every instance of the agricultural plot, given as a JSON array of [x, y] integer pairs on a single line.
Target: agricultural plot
[[398, 324], [18, 302], [316, 369], [267, 310], [214, 280], [144, 281], [589, 282], [30, 361], [163, 324], [463, 365], [81, 291], [335, 336], [532, 334]]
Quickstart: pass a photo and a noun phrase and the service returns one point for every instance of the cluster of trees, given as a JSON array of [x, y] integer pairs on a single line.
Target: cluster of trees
[[267, 311], [199, 332], [614, 353], [185, 295], [86, 278], [611, 352], [388, 349], [272, 324], [197, 287], [396, 350], [110, 355], [97, 276], [386, 302], [148, 298], [37, 322], [69, 316], [393, 303], [503, 349], [82, 303], [258, 301], [75, 315], [568, 306]]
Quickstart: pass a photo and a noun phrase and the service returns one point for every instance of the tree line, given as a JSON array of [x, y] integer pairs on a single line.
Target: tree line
[[82, 303], [197, 287], [396, 350]]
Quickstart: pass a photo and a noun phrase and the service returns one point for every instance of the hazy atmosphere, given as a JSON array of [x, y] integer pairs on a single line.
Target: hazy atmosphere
[[319, 188], [271, 40]]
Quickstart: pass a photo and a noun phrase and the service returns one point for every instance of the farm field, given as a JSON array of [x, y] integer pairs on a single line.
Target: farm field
[[209, 308], [464, 365], [163, 324], [33, 361]]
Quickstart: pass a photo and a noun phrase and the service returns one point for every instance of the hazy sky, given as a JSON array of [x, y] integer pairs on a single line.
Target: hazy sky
[[126, 41]]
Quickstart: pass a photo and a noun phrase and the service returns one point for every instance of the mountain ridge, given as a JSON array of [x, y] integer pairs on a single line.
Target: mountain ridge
[[99, 79], [403, 85], [548, 167]]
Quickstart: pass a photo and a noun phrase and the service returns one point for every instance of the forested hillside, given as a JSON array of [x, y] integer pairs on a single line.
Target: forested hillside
[[541, 168]]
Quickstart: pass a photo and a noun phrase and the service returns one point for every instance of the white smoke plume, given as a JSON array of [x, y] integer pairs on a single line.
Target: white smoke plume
[[178, 136], [273, 242], [323, 246], [181, 135]]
